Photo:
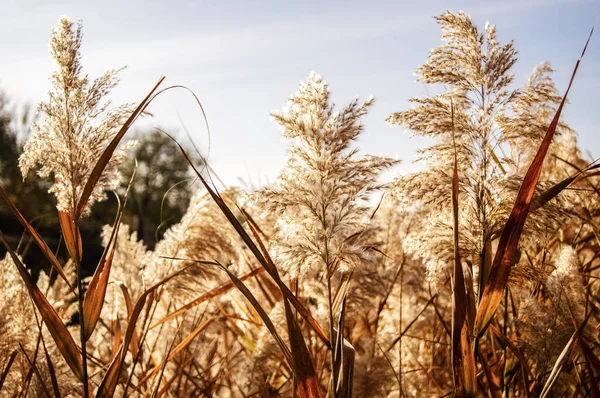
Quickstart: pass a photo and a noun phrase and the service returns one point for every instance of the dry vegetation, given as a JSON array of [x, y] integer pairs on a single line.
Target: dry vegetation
[[477, 276]]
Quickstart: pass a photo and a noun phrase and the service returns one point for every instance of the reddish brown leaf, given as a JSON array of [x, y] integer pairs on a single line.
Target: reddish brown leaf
[[71, 235], [37, 238], [133, 347], [557, 188], [306, 377], [96, 292], [117, 335], [63, 339], [111, 377], [507, 247], [463, 358], [94, 297], [109, 384]]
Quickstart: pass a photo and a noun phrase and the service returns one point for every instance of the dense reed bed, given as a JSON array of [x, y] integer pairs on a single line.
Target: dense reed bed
[[477, 276]]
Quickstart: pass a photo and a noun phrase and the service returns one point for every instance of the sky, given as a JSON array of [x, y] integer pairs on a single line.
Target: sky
[[244, 59]]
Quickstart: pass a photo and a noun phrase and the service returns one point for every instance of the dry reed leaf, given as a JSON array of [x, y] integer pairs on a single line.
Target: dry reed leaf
[[50, 365], [111, 377], [38, 239], [515, 350], [9, 363], [271, 270], [36, 371], [63, 339], [558, 365], [562, 359], [261, 312], [96, 292], [133, 347], [109, 382], [117, 335], [307, 382], [225, 287], [592, 363], [179, 348], [304, 370], [344, 357], [94, 297], [507, 247], [110, 149], [463, 358], [557, 188], [71, 235]]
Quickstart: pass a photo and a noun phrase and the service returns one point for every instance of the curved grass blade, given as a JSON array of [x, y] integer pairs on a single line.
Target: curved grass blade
[[225, 287], [111, 377], [135, 339], [261, 312], [507, 247], [110, 149], [557, 188], [96, 292], [287, 294], [51, 371], [271, 270], [63, 339], [180, 347], [36, 371], [133, 347], [562, 359], [110, 380], [558, 366], [38, 239]]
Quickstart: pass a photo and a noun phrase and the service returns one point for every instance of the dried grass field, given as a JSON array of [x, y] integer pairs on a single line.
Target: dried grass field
[[476, 276]]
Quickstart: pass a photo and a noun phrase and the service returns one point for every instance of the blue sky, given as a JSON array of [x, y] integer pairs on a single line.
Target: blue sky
[[244, 59]]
